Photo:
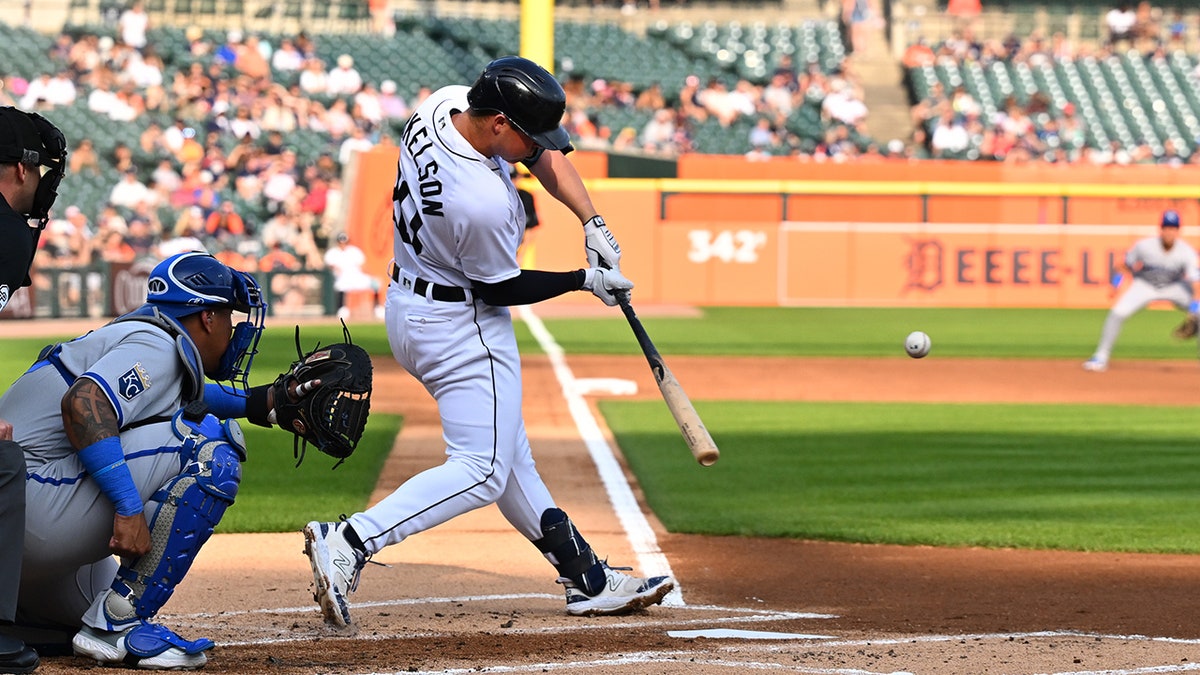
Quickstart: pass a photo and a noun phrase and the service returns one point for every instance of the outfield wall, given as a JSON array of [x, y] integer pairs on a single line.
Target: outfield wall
[[732, 232]]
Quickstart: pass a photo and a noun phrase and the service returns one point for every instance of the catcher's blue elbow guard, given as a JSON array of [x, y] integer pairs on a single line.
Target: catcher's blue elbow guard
[[191, 505]]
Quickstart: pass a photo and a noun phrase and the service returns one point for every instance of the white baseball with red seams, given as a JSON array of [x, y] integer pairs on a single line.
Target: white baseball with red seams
[[917, 344]]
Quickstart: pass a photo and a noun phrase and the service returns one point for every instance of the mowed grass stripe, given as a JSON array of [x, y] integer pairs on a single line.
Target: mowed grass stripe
[[1058, 477]]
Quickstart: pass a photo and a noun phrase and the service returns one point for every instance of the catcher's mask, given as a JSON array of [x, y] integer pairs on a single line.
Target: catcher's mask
[[187, 283]]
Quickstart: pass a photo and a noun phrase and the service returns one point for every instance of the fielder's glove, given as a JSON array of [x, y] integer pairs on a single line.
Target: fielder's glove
[[600, 246], [324, 399], [606, 284], [1187, 329]]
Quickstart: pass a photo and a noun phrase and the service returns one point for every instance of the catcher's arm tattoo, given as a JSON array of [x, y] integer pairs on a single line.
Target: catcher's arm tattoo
[[88, 415]]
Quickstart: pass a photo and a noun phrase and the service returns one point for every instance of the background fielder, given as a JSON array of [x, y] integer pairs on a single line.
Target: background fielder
[[1160, 268], [459, 222]]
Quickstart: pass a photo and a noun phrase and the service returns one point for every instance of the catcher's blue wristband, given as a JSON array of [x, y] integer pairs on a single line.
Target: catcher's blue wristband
[[1117, 279], [105, 463]]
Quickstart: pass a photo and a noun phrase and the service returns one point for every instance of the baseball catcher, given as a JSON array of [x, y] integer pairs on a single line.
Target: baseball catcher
[[323, 399]]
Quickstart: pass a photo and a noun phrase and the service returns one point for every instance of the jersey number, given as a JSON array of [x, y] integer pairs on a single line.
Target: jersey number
[[407, 230]]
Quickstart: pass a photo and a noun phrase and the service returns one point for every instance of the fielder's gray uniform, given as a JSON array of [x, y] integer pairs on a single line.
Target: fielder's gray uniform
[[1158, 274], [68, 521]]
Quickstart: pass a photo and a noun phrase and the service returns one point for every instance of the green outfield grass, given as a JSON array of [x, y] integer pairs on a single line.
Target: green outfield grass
[[1068, 477], [1108, 478]]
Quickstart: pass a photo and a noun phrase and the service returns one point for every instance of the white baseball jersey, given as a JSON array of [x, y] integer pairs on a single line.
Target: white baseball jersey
[[1161, 267], [458, 221], [458, 216]]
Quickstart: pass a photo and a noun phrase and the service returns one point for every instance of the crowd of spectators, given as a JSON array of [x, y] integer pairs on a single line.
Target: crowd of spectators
[[223, 176], [837, 114], [953, 124]]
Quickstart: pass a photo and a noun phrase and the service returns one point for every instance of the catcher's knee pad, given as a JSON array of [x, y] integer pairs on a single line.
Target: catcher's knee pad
[[190, 506], [566, 549]]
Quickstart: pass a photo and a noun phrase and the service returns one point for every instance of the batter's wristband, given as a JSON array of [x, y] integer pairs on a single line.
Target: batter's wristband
[[1117, 279], [104, 461]]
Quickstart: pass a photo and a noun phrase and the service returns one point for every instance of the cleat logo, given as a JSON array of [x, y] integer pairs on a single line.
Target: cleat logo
[[344, 564]]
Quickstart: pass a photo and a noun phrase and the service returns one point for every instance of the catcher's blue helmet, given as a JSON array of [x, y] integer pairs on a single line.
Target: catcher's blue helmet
[[187, 283], [1170, 218]]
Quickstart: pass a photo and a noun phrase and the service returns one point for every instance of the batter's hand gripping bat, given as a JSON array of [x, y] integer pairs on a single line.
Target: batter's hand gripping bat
[[697, 437]]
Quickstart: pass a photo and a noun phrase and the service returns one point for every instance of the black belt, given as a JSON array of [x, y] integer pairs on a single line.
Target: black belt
[[440, 293]]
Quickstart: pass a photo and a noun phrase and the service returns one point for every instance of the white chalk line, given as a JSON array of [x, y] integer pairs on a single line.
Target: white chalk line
[[642, 539], [199, 620], [679, 657]]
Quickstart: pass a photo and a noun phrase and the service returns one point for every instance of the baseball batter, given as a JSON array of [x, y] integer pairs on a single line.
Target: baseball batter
[[114, 466], [458, 225], [1161, 268]]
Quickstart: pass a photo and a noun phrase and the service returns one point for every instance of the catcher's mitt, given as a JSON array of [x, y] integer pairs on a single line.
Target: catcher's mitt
[[332, 414], [1187, 329]]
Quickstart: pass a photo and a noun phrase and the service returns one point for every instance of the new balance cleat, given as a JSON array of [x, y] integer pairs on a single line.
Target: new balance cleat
[[336, 566], [145, 645], [1095, 365], [621, 593]]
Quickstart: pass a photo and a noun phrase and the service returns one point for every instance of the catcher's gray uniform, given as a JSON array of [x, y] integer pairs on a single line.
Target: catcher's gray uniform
[[178, 467], [1159, 273]]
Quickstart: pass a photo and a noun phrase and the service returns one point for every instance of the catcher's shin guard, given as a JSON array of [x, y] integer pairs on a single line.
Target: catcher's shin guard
[[566, 549], [191, 505]]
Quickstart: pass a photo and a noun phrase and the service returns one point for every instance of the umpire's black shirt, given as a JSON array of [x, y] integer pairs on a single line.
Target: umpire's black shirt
[[16, 251]]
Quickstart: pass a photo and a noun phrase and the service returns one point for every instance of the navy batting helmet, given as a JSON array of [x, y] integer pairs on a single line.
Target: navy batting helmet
[[1170, 218], [528, 95]]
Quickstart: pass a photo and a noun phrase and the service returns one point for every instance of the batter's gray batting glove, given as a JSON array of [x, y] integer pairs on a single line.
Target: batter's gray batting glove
[[600, 245], [605, 284]]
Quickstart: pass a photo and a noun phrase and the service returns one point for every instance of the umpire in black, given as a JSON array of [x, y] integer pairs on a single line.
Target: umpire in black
[[32, 161]]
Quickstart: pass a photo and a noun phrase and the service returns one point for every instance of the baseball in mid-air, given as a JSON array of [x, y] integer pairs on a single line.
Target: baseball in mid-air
[[917, 344]]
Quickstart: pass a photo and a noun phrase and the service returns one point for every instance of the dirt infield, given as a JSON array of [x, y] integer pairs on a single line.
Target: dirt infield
[[473, 596]]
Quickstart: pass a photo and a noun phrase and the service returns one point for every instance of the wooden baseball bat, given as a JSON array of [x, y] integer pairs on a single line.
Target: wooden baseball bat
[[697, 437]]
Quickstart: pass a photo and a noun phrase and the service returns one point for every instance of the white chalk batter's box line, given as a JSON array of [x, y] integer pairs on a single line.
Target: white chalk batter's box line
[[680, 657], [741, 616]]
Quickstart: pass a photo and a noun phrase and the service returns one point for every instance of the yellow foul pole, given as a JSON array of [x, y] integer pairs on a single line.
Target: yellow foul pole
[[537, 32]]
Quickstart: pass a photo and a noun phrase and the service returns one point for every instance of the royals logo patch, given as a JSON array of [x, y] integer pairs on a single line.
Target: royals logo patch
[[133, 382]]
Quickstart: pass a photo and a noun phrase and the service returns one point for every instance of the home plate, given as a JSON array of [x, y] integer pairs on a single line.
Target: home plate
[[744, 634], [609, 386]]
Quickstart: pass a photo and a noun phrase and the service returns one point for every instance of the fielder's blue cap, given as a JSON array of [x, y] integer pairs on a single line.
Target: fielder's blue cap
[[1170, 218]]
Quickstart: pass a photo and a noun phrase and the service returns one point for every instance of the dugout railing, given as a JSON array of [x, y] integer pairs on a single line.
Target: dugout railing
[[110, 289]]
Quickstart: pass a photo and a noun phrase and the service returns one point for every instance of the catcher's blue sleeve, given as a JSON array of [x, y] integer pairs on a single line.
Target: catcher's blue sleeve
[[223, 404]]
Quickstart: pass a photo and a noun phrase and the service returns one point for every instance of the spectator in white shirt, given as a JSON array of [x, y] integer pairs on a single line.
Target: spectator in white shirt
[[133, 24], [368, 106], [949, 136], [287, 59], [343, 79], [357, 141], [129, 192], [1120, 21], [314, 79]]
